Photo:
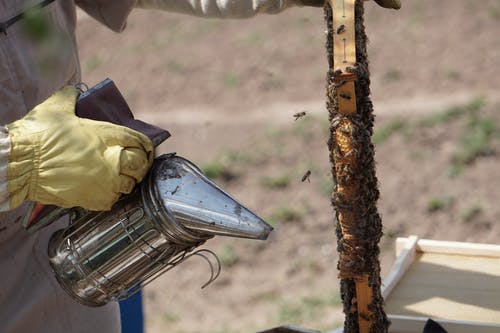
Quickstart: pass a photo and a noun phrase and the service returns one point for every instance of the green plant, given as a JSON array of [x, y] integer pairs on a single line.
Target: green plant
[[472, 213], [236, 156], [392, 233], [255, 38], [276, 136], [494, 12], [308, 264], [92, 64], [232, 79], [276, 182], [218, 170], [290, 312], [324, 126], [284, 214], [134, 48], [407, 128], [270, 296], [273, 82], [393, 75], [453, 112], [476, 139], [439, 203], [228, 256], [306, 308], [179, 35], [169, 317], [159, 43], [474, 143], [326, 186], [274, 132], [176, 67], [304, 127], [452, 74], [420, 153], [386, 131]]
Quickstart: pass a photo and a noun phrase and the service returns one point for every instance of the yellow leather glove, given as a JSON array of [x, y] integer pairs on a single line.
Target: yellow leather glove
[[60, 159]]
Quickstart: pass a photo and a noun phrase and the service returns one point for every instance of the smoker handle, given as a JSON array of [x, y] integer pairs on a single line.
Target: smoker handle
[[102, 102], [38, 216]]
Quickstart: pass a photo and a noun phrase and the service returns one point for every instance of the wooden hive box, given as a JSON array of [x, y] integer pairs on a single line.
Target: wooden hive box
[[456, 284]]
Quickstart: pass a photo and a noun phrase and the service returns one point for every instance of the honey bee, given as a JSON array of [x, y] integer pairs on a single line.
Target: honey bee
[[299, 115], [340, 84], [340, 29], [364, 316], [351, 69], [353, 307], [306, 176], [345, 96]]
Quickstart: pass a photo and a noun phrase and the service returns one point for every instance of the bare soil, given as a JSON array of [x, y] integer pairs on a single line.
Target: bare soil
[[227, 91]]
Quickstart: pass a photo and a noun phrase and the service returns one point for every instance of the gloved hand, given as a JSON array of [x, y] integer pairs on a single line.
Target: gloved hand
[[57, 158], [394, 4]]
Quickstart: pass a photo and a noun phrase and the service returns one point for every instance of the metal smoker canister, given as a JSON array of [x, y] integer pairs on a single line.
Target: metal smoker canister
[[107, 256]]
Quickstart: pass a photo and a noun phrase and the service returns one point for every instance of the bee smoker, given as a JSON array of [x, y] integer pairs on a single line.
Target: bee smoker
[[108, 256]]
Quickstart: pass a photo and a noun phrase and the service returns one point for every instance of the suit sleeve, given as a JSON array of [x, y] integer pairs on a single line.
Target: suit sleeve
[[114, 14], [111, 13], [220, 8]]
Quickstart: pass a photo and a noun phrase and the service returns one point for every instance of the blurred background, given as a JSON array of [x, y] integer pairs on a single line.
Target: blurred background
[[227, 91]]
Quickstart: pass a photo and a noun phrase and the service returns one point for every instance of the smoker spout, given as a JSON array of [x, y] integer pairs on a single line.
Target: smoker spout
[[236, 221], [198, 204]]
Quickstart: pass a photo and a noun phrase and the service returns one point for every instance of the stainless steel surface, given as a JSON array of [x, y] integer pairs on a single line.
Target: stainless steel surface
[[199, 204], [103, 256], [106, 256]]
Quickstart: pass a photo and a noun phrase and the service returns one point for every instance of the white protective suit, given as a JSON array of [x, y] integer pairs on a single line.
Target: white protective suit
[[31, 300]]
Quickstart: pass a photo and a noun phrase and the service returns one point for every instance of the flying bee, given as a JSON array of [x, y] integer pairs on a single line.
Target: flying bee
[[299, 115], [340, 29], [306, 176]]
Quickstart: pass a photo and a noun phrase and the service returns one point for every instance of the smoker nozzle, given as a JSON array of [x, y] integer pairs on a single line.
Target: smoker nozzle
[[198, 204]]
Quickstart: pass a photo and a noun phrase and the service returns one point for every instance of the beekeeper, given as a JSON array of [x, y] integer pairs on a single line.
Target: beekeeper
[[48, 155]]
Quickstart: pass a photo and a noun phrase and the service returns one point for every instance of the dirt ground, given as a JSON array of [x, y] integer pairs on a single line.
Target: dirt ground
[[227, 90]]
